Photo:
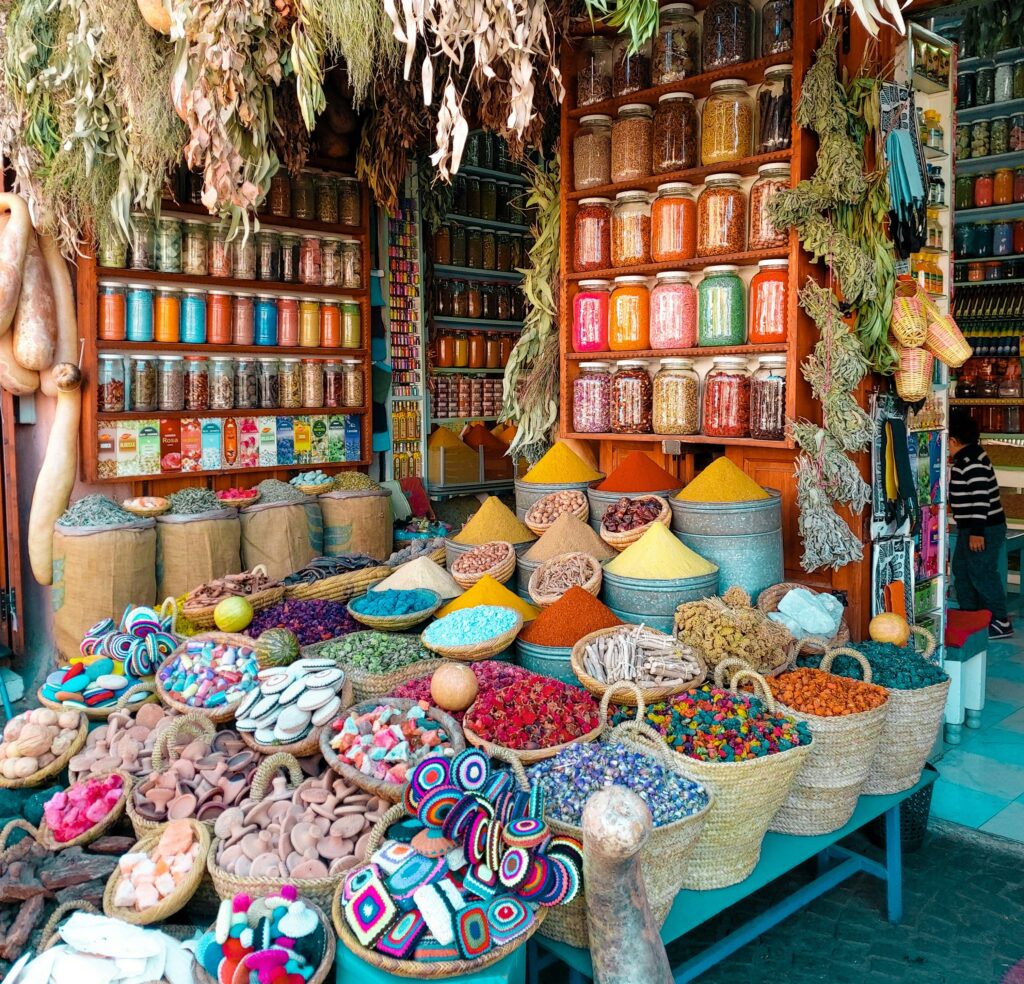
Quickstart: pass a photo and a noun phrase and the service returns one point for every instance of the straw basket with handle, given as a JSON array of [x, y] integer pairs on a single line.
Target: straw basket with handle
[[395, 623], [201, 616], [339, 588], [944, 339], [588, 565], [909, 322], [501, 571], [49, 936], [570, 500], [619, 541], [475, 651], [768, 601], [57, 766], [177, 899], [365, 684], [913, 376]]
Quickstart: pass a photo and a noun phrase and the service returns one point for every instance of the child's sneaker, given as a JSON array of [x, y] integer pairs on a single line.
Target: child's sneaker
[[1000, 628]]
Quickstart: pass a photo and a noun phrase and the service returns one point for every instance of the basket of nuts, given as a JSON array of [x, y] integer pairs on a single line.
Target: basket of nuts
[[625, 521], [542, 514], [496, 559]]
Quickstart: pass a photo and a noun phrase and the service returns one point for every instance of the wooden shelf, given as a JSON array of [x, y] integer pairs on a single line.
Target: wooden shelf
[[253, 351], [694, 175], [275, 223], [462, 420], [973, 165], [706, 352], [991, 213], [274, 287], [228, 472], [746, 258], [467, 372], [981, 401], [475, 273], [682, 438], [257, 412]]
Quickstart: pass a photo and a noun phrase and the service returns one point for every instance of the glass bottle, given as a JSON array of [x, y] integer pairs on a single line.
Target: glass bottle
[[768, 399], [726, 404], [593, 71], [591, 398], [631, 398], [676, 398], [675, 50], [591, 152]]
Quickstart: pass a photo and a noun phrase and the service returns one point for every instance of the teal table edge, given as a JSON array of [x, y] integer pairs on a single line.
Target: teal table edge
[[510, 969], [780, 853]]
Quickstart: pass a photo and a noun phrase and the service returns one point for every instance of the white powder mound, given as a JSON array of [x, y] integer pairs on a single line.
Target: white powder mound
[[421, 573]]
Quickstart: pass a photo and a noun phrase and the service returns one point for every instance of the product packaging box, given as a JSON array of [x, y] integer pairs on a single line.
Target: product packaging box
[[352, 438], [191, 444], [170, 445], [318, 454], [303, 440], [211, 431], [106, 449], [248, 442], [335, 437], [267, 440], [149, 447], [285, 441], [229, 443], [127, 448]]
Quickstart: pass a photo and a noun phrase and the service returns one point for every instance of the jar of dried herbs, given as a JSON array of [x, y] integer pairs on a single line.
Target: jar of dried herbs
[[674, 138], [676, 398], [142, 242], [143, 383], [304, 196], [593, 71], [631, 398], [728, 34], [776, 27], [721, 216], [775, 110], [768, 399], [727, 398], [675, 50], [350, 202], [290, 384], [592, 152], [727, 124], [631, 70], [631, 143], [168, 245], [222, 382]]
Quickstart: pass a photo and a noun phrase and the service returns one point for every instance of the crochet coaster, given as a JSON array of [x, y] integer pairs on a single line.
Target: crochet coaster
[[400, 940], [495, 845], [431, 950], [566, 847], [430, 774], [473, 932], [357, 879], [431, 843], [457, 817], [414, 872], [481, 881], [573, 878], [508, 917], [392, 856], [471, 769], [535, 808], [526, 832], [556, 885], [515, 866], [437, 804], [405, 830], [497, 783], [370, 913], [476, 839], [536, 880]]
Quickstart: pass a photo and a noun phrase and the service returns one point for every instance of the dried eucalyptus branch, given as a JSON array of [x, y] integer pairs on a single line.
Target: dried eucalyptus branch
[[306, 59], [827, 540]]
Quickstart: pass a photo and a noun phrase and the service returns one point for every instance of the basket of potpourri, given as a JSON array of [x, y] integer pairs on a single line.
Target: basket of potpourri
[[469, 634], [394, 610], [740, 748]]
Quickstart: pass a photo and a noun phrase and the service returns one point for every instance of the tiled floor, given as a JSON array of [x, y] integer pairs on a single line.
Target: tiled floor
[[981, 782]]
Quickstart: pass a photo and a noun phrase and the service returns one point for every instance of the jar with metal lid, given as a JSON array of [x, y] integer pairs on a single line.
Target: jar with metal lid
[[287, 321], [474, 295], [776, 27], [590, 314], [166, 315], [309, 322], [631, 142], [242, 318], [142, 242], [504, 195], [591, 398], [195, 248], [192, 329], [985, 84], [592, 152], [330, 323], [676, 398], [727, 398], [459, 195], [507, 342], [1002, 238], [459, 299], [474, 247], [458, 231], [962, 141], [999, 135], [493, 352], [966, 96], [332, 383], [197, 383], [167, 241], [290, 250], [963, 191], [144, 386], [218, 317], [629, 314], [503, 302], [728, 33], [139, 317], [517, 251], [471, 154], [975, 272], [330, 261], [351, 330], [771, 179], [673, 318], [327, 199], [983, 190], [769, 303], [489, 151], [353, 387], [477, 350], [593, 71], [721, 216], [674, 133], [111, 312], [310, 260], [936, 186], [265, 320], [503, 253], [171, 383], [488, 250], [675, 49], [279, 197], [768, 399], [592, 235], [631, 229], [775, 110], [312, 385], [461, 358], [674, 223], [270, 384], [222, 382], [246, 384], [727, 123], [1018, 79], [268, 255], [289, 378], [220, 252], [243, 257], [631, 69], [631, 398], [304, 196], [721, 307], [444, 357], [350, 202], [473, 197], [488, 199]]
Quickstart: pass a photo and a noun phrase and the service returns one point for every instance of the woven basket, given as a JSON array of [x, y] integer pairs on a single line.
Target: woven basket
[[97, 830], [581, 511], [825, 791], [48, 937], [913, 376], [619, 541], [592, 585], [768, 601], [944, 339], [501, 571], [57, 766], [396, 623], [390, 791], [201, 616], [316, 489], [181, 895], [477, 651], [249, 500], [341, 587], [630, 692], [309, 745], [909, 324], [147, 512], [366, 685]]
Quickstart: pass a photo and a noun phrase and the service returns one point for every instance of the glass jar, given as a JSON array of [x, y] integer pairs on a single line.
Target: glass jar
[[167, 241], [265, 319], [507, 342], [326, 199], [727, 34], [936, 186], [459, 194], [1018, 79], [220, 252], [112, 250], [166, 315], [309, 322], [593, 71], [504, 196], [674, 136], [503, 302], [222, 382], [1002, 238], [776, 27], [1002, 186], [243, 257], [242, 319], [111, 312], [310, 261], [631, 229], [473, 197], [629, 315], [350, 202], [962, 141], [351, 264], [721, 307], [474, 247], [474, 294], [488, 249], [674, 223], [963, 191], [312, 383], [673, 311], [768, 399], [769, 303], [304, 196], [353, 387], [192, 330], [980, 139], [591, 152], [1018, 185], [195, 248], [144, 387], [592, 235], [631, 398], [110, 383], [489, 151], [727, 123], [268, 255], [444, 355], [171, 383], [330, 324], [289, 383], [142, 242], [197, 383], [983, 190], [218, 317], [771, 179], [1018, 237], [775, 110], [246, 396], [477, 350], [458, 244], [676, 398], [443, 244], [461, 358], [721, 216], [503, 253], [985, 84], [330, 261], [333, 396], [488, 199], [519, 253], [287, 321], [351, 325], [966, 96], [999, 135], [631, 70], [727, 398], [591, 398], [289, 259], [279, 198], [459, 301], [270, 384], [590, 314], [675, 52], [139, 313], [631, 143]]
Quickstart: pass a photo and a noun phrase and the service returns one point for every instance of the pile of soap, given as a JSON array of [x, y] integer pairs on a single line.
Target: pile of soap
[[277, 940], [394, 602], [809, 613], [34, 739], [208, 674], [148, 879], [317, 478], [386, 742], [73, 811], [124, 743], [467, 626]]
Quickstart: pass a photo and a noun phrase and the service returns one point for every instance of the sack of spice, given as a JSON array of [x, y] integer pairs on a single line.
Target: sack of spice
[[193, 548]]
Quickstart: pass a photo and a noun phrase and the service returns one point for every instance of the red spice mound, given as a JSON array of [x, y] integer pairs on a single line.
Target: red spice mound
[[479, 436], [490, 675], [576, 614], [638, 473]]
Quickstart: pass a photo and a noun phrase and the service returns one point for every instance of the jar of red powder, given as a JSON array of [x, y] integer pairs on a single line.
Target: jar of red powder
[[674, 223], [769, 301], [590, 316], [727, 398], [592, 242], [983, 188], [673, 320]]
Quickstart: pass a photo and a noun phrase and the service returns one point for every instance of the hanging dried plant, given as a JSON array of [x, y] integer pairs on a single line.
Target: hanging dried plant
[[290, 137], [306, 60], [360, 33]]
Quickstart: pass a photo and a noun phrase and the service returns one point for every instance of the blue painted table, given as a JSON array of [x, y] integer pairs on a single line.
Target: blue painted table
[[779, 853], [509, 970]]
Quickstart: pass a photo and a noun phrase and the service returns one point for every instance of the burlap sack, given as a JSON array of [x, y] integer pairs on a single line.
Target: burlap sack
[[98, 571], [357, 522], [191, 550], [283, 536]]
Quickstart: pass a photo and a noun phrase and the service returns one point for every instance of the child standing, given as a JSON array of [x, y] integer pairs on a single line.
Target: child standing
[[981, 525]]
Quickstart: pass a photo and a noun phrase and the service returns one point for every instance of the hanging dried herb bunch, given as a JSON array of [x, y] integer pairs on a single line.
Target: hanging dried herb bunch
[[361, 34]]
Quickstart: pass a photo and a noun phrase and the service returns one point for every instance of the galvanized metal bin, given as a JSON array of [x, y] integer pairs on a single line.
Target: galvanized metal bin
[[728, 518], [654, 602], [527, 493], [524, 570], [600, 501], [552, 661]]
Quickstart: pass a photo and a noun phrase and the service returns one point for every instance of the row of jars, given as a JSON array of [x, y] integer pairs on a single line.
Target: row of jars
[[194, 316], [622, 398], [1004, 237], [1003, 186], [465, 396], [461, 245], [472, 349], [196, 383], [681, 48], [642, 141], [200, 248], [978, 272], [675, 226], [628, 314], [982, 138], [489, 198], [990, 83], [474, 299], [488, 150]]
